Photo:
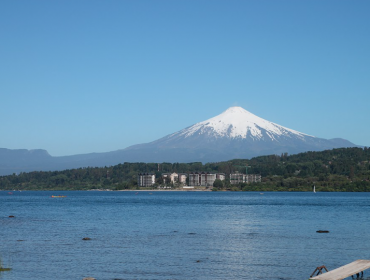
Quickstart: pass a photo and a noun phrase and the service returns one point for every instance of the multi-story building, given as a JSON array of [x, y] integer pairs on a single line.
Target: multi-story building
[[220, 176], [253, 178], [194, 179], [170, 177], [182, 178], [207, 179], [145, 179], [175, 177], [204, 178], [236, 178]]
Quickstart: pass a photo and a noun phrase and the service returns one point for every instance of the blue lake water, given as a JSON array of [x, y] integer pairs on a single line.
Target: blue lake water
[[180, 235]]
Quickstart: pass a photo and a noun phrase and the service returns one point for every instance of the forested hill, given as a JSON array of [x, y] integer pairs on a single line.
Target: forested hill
[[346, 169]]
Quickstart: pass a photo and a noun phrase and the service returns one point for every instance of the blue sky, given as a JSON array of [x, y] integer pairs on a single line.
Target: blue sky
[[96, 76]]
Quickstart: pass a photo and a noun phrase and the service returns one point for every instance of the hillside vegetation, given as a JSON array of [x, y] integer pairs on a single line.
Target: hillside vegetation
[[346, 169]]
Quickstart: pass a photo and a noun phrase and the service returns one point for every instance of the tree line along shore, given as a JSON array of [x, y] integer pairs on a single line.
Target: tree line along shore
[[344, 170]]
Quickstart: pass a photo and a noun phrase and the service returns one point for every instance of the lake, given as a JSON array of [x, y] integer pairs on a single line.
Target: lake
[[180, 235]]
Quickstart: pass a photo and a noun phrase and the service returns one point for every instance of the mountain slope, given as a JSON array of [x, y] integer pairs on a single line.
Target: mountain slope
[[236, 133]]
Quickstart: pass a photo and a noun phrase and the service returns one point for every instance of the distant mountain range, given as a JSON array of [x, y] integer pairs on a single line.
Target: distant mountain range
[[236, 133]]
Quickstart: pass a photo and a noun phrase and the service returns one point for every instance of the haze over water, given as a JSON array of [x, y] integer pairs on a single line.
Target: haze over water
[[180, 235]]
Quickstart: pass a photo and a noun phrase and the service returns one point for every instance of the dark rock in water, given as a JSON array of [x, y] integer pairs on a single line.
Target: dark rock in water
[[5, 269], [89, 278], [11, 216], [86, 238], [322, 231], [191, 233]]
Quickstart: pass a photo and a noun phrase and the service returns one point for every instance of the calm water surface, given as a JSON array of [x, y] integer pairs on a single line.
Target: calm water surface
[[180, 235]]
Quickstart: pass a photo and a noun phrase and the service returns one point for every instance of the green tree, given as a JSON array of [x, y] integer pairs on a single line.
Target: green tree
[[218, 184]]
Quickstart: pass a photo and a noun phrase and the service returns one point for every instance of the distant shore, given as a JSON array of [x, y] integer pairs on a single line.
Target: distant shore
[[161, 190]]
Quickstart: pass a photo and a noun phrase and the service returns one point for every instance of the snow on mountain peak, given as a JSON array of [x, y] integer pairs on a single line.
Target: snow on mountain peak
[[237, 122]]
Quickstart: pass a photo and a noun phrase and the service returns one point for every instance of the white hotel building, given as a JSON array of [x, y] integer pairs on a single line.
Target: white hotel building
[[204, 178], [236, 178], [145, 179]]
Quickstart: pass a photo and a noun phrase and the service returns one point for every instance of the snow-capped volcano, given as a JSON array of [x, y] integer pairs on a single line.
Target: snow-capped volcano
[[237, 122], [236, 133]]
